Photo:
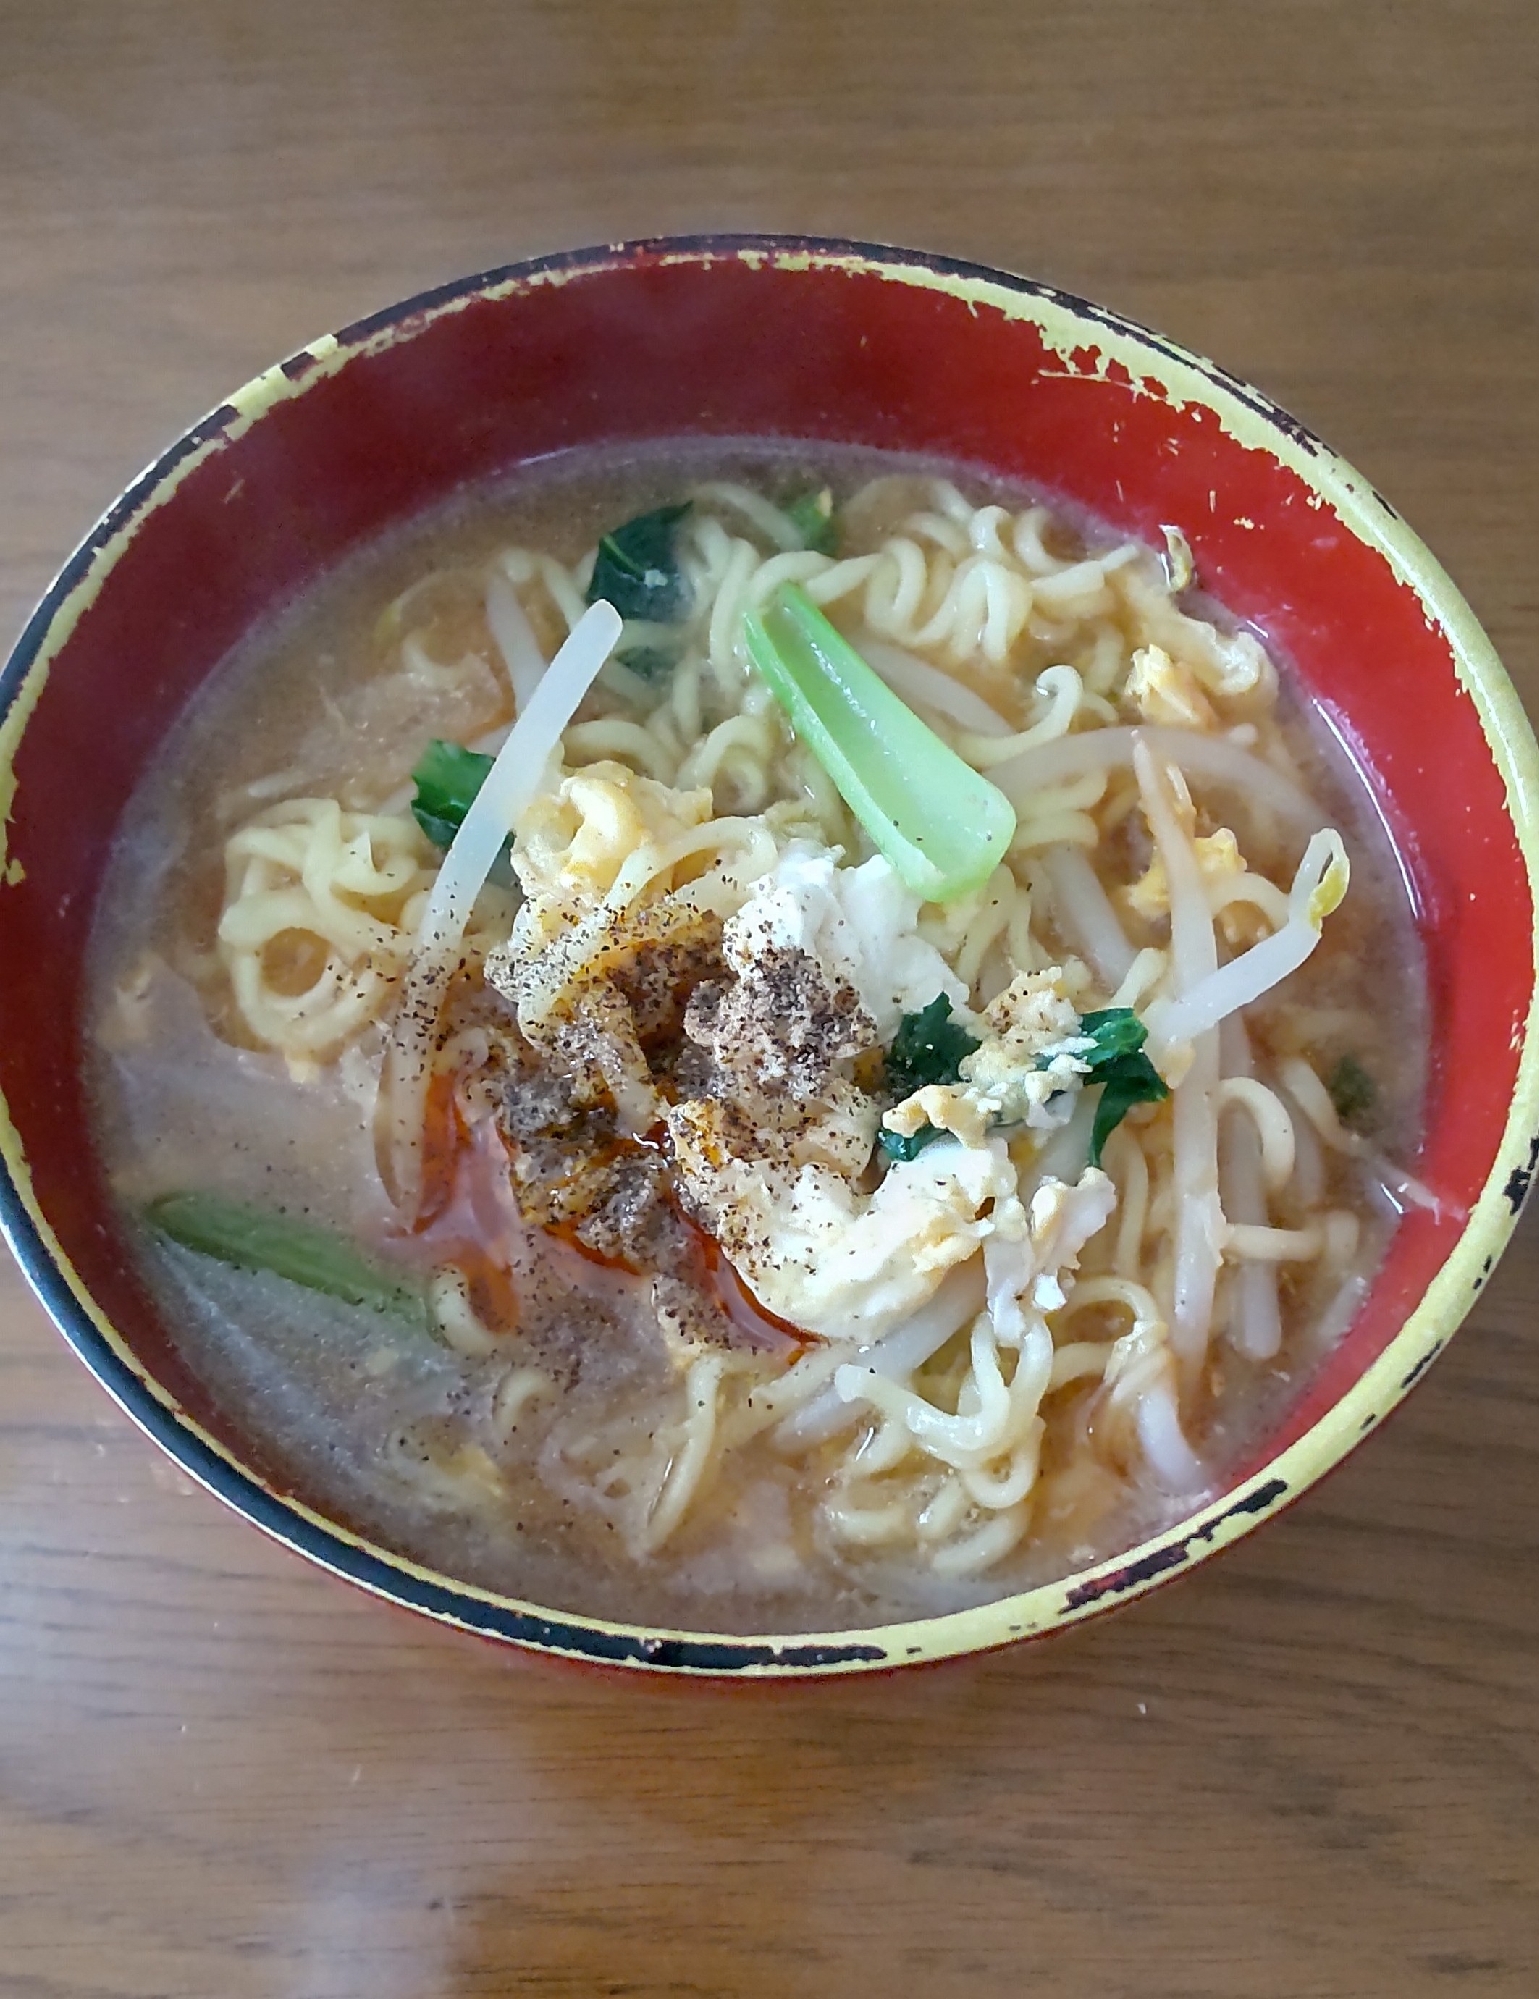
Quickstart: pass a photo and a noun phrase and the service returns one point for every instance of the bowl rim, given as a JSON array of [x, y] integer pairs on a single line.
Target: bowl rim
[[1070, 326]]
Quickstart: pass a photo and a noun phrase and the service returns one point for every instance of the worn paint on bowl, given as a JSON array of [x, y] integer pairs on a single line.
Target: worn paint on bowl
[[763, 336]]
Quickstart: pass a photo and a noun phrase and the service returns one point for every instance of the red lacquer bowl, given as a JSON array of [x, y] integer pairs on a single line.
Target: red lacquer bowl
[[766, 337]]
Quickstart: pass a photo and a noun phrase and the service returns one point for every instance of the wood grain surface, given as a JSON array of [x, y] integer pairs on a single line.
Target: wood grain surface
[[1308, 1772]]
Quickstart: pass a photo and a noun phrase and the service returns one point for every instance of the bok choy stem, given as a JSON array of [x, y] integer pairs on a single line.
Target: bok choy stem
[[257, 1239], [943, 827]]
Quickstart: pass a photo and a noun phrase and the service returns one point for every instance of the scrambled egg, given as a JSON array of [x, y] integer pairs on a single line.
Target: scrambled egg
[[1219, 860], [861, 925], [573, 841], [1248, 905], [816, 1250], [1164, 691], [1062, 1220]]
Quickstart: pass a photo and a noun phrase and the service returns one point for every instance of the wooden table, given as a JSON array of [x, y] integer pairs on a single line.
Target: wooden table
[[1306, 1773]]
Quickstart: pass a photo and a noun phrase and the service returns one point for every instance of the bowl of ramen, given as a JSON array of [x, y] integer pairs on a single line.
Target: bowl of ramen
[[759, 957]]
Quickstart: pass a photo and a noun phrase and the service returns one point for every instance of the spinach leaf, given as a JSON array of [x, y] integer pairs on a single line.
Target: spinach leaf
[[636, 569], [447, 778], [907, 1145], [648, 662], [1115, 1030], [812, 515], [1132, 1080], [928, 1047], [1352, 1091], [1118, 1063]]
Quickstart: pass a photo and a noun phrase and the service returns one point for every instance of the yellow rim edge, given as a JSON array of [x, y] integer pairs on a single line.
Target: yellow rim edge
[[1179, 378]]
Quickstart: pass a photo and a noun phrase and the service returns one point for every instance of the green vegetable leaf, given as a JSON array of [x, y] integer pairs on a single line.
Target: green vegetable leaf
[[447, 778], [907, 1145], [637, 571], [928, 1047], [255, 1239], [440, 831], [648, 662], [1118, 1063], [1132, 1080], [812, 515], [1115, 1030], [943, 827], [1353, 1091]]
